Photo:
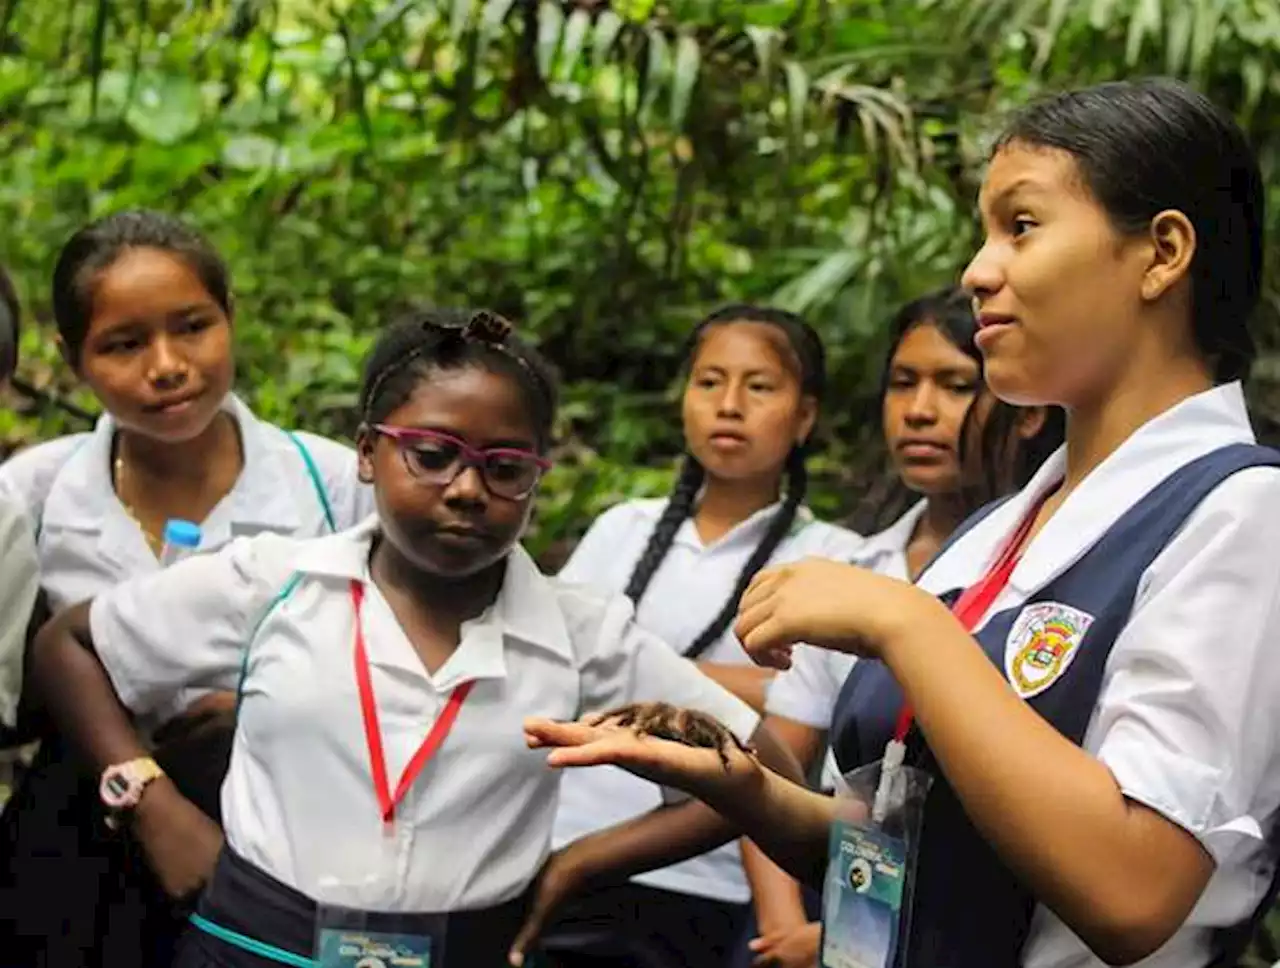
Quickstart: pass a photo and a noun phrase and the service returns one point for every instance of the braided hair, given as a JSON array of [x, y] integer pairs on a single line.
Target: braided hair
[[810, 358], [426, 340]]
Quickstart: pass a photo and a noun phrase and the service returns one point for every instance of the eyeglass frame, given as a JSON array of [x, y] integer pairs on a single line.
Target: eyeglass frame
[[468, 456]]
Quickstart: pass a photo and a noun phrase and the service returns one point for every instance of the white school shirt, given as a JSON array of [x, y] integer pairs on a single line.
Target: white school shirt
[[807, 692], [687, 591], [87, 541], [298, 800], [1188, 717], [19, 585]]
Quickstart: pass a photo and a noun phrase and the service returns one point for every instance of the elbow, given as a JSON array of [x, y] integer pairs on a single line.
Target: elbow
[[1131, 928]]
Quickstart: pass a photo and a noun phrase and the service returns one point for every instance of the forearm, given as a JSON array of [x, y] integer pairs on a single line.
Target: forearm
[[776, 895], [1053, 812], [748, 682], [78, 694]]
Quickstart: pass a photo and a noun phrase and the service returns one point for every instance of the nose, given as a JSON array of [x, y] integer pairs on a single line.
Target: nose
[[167, 367], [922, 410], [467, 489], [730, 402], [984, 275]]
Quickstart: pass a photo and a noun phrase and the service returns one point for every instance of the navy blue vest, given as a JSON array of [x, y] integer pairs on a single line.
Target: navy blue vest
[[969, 908]]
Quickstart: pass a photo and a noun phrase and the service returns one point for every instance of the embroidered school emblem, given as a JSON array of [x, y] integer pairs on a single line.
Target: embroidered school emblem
[[1041, 645]]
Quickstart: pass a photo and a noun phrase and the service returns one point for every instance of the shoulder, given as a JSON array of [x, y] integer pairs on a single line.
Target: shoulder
[[614, 534], [328, 454], [1238, 520], [628, 514], [822, 539], [28, 475]]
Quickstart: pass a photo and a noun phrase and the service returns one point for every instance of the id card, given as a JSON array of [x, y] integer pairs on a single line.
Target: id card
[[348, 938], [340, 948], [863, 897]]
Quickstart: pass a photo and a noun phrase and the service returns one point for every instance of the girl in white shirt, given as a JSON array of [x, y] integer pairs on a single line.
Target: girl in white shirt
[[953, 447], [1099, 712], [756, 378], [338, 813], [19, 570], [144, 308]]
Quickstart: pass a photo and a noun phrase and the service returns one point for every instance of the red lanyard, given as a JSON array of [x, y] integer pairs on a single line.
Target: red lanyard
[[387, 803], [978, 598]]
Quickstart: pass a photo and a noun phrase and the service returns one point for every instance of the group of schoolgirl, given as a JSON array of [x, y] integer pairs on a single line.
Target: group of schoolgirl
[[361, 634], [358, 665]]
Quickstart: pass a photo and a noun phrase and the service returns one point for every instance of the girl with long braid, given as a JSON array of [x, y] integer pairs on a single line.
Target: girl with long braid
[[756, 378]]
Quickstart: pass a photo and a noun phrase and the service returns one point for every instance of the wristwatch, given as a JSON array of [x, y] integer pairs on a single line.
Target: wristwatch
[[123, 784]]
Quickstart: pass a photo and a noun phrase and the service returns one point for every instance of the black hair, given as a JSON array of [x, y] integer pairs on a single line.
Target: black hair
[[1000, 460], [950, 312], [427, 339], [99, 244], [1146, 146], [809, 359], [10, 326]]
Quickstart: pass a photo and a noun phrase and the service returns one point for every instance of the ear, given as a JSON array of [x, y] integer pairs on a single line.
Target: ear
[[806, 418], [1173, 246], [365, 440], [1030, 421]]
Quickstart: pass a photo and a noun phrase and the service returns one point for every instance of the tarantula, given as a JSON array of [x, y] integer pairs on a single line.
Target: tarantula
[[665, 721]]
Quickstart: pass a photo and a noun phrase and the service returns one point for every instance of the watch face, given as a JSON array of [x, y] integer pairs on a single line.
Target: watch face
[[116, 786]]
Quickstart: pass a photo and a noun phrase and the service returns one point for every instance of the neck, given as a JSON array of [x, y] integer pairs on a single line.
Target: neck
[[1095, 430], [449, 600], [187, 461], [942, 515], [725, 505]]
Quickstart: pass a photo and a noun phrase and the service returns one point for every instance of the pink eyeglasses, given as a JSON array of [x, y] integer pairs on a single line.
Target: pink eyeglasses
[[438, 458]]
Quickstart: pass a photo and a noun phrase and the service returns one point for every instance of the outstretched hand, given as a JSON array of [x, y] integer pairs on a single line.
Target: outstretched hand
[[673, 747]]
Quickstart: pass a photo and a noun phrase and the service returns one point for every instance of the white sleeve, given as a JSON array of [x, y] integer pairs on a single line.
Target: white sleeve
[[185, 626], [26, 477], [807, 692], [1189, 716], [621, 663], [19, 585]]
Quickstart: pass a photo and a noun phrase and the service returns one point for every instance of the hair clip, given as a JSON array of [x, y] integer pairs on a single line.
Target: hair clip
[[487, 327]]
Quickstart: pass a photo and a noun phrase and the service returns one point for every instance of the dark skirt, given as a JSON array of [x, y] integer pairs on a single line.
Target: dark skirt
[[72, 892], [247, 901], [635, 926]]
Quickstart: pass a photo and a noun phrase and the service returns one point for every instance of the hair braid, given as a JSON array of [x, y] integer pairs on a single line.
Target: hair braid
[[678, 508]]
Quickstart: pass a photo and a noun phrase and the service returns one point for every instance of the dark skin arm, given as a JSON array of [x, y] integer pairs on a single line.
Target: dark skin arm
[[181, 843], [648, 842]]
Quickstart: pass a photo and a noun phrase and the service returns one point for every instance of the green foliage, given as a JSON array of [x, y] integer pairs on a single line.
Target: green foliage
[[606, 172], [603, 172]]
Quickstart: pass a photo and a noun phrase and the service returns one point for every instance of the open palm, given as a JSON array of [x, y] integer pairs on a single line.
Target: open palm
[[698, 770]]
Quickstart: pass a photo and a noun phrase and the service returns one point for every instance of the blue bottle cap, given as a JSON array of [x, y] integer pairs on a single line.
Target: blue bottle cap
[[184, 534]]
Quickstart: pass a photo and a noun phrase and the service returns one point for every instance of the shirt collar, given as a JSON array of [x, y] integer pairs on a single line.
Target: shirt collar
[[892, 540], [526, 608], [1197, 426], [750, 530], [82, 496]]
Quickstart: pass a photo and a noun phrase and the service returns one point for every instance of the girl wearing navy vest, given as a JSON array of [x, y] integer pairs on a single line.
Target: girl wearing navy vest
[[756, 377], [143, 305], [952, 447], [1088, 670]]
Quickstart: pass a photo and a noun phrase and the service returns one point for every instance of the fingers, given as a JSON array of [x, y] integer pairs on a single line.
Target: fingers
[[762, 586], [530, 930], [540, 732], [769, 644]]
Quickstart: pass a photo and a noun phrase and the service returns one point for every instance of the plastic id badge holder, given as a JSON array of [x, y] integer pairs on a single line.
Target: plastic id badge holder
[[368, 935], [866, 897]]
